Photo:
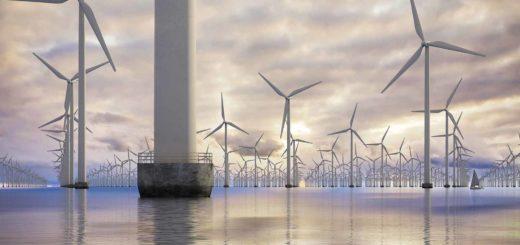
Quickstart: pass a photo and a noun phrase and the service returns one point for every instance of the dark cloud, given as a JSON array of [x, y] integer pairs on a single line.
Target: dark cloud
[[109, 118], [236, 142], [113, 144], [479, 163]]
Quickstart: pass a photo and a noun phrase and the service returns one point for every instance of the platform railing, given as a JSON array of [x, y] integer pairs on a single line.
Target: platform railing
[[148, 157]]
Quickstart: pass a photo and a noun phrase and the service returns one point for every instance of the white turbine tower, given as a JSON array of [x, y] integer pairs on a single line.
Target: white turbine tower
[[69, 113], [84, 11], [426, 46], [225, 124], [352, 133], [287, 119]]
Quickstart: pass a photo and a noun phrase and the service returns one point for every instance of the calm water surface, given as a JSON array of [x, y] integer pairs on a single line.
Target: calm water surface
[[262, 216]]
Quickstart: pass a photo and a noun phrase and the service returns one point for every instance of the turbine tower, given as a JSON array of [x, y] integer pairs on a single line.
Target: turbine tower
[[287, 119], [426, 46]]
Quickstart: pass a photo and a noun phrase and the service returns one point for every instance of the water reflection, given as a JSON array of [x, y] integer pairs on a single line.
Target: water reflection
[[74, 218], [288, 204], [226, 216], [427, 214], [82, 215], [446, 217], [172, 221], [263, 215], [68, 215]]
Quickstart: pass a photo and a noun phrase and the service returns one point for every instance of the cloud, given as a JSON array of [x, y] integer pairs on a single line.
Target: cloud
[[113, 144], [237, 142], [109, 118], [354, 47]]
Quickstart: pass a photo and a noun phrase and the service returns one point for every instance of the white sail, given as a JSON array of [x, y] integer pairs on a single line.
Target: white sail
[[475, 183]]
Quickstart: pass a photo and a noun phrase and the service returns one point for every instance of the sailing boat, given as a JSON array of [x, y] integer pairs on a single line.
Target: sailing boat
[[475, 183]]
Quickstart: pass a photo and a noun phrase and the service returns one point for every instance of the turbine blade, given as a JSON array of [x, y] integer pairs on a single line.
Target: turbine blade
[[89, 70], [453, 93], [236, 127], [222, 107], [339, 132], [353, 115], [303, 141], [221, 147], [456, 123], [297, 91], [359, 137], [336, 141], [285, 109], [53, 131], [67, 97], [272, 86], [416, 21], [53, 120], [334, 154], [50, 67], [409, 63], [214, 130], [258, 141], [402, 143], [54, 138], [202, 130], [88, 129], [384, 147], [444, 45], [147, 144], [95, 27], [440, 135], [383, 139]]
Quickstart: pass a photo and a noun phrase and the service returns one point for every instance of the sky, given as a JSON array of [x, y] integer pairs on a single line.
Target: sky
[[353, 47]]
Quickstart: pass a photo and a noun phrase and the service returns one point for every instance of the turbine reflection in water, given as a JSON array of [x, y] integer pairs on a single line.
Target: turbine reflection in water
[[271, 216]]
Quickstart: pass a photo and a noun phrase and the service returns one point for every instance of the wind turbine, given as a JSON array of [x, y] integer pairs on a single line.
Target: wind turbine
[[295, 144], [401, 156], [352, 133], [332, 156], [255, 156], [287, 119], [455, 142], [225, 124], [446, 136], [84, 11], [426, 46], [383, 149], [69, 112]]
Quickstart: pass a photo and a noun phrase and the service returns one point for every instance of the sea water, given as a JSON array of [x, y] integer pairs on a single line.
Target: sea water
[[262, 216]]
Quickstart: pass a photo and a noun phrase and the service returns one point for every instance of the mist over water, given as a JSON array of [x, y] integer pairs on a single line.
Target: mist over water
[[263, 216]]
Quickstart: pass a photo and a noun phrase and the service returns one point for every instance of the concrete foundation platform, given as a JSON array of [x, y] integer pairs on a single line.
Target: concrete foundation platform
[[427, 185], [81, 185], [175, 179]]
